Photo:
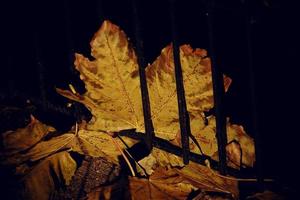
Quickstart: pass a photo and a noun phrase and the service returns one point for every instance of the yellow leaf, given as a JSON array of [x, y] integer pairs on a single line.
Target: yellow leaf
[[92, 143], [112, 82], [207, 140], [99, 144], [41, 150], [204, 178], [196, 72], [196, 68], [39, 183]]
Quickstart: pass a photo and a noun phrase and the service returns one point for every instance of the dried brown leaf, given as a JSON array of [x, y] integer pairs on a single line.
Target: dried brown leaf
[[208, 180], [39, 183], [24, 138], [91, 143], [162, 184]]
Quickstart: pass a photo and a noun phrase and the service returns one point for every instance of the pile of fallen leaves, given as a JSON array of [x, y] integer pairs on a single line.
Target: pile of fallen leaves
[[44, 161]]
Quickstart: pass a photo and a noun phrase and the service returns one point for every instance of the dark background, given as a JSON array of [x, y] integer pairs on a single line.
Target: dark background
[[38, 40]]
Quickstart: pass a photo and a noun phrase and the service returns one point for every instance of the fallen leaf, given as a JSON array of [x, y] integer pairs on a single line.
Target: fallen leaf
[[162, 184], [112, 82], [234, 154], [92, 143], [171, 183], [40, 150], [208, 142], [196, 72], [208, 180], [48, 175], [199, 176], [98, 144], [24, 138]]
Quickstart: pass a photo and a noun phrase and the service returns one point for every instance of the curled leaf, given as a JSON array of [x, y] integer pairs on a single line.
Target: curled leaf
[[162, 184], [204, 178], [24, 138], [240, 148]]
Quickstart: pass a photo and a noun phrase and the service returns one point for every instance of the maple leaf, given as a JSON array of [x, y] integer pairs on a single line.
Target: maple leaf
[[196, 72], [207, 139], [197, 79], [85, 142], [112, 82]]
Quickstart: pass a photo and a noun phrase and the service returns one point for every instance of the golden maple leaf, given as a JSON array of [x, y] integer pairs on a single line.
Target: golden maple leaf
[[197, 79], [196, 72], [112, 82]]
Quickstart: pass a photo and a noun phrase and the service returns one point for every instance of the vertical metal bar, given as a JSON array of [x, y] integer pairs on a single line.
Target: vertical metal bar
[[142, 65], [183, 114], [218, 89], [254, 112]]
